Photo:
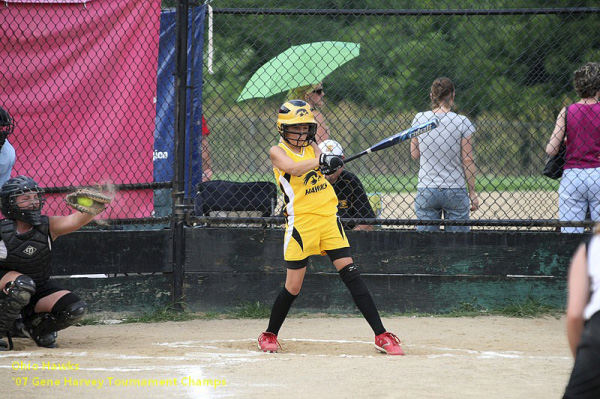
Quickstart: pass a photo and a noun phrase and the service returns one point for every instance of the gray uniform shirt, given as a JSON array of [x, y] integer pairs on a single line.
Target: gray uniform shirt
[[441, 158]]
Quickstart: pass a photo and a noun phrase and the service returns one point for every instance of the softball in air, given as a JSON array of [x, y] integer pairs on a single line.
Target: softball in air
[[83, 201]]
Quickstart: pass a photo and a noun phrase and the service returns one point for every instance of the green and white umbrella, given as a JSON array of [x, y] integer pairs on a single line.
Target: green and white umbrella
[[298, 66]]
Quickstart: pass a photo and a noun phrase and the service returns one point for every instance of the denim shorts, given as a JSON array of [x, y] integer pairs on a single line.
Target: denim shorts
[[579, 191], [439, 203]]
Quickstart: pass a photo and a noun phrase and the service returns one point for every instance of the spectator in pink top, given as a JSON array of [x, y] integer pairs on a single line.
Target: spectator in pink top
[[579, 189]]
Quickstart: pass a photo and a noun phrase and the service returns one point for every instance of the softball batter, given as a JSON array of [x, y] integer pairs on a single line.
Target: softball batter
[[312, 225]]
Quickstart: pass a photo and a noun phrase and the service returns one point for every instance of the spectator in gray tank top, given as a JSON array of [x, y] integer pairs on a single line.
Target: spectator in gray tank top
[[446, 187]]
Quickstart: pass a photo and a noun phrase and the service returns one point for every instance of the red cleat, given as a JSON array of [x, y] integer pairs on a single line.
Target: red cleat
[[267, 342], [389, 343]]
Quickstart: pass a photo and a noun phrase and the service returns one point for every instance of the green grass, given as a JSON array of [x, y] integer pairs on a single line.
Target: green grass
[[89, 321], [251, 310], [467, 309], [170, 312], [403, 184], [160, 315], [529, 308]]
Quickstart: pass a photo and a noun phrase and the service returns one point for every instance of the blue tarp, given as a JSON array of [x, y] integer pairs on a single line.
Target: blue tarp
[[165, 100]]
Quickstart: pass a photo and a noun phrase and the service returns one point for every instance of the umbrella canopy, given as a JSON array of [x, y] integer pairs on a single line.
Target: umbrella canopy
[[298, 66]]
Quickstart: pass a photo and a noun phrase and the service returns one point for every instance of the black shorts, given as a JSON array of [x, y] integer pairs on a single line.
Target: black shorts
[[585, 377], [334, 254]]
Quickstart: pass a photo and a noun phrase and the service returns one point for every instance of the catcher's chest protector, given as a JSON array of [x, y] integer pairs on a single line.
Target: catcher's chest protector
[[28, 253]]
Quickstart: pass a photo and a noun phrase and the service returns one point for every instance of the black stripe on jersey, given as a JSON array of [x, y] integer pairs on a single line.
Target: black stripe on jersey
[[340, 227], [286, 199], [296, 236]]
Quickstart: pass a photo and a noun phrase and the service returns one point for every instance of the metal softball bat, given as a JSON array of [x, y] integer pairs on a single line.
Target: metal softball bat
[[397, 138]]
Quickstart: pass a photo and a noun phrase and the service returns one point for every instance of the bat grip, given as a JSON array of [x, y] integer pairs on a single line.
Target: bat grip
[[355, 156]]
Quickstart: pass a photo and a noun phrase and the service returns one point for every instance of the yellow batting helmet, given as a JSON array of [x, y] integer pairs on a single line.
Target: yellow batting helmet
[[296, 112]]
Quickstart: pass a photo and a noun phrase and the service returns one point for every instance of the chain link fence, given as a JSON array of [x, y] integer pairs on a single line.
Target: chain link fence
[[512, 70], [92, 88]]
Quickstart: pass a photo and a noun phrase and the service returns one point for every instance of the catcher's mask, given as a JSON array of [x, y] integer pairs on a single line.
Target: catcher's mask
[[296, 112], [7, 123], [15, 187]]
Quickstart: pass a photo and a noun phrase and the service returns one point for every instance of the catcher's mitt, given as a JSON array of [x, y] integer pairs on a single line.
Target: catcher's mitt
[[87, 200]]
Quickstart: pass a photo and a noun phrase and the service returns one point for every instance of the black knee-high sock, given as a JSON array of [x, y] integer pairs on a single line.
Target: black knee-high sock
[[280, 309], [362, 297]]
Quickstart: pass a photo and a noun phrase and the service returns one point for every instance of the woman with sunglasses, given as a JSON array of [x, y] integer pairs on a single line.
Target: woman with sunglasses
[[314, 95]]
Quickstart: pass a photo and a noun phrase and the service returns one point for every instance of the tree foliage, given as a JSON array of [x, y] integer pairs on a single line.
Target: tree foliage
[[495, 60], [513, 72]]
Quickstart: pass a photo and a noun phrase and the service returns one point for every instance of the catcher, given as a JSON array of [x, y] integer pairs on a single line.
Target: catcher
[[30, 304]]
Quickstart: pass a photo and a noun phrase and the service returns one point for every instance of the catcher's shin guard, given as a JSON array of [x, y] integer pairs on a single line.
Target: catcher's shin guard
[[18, 294], [42, 327]]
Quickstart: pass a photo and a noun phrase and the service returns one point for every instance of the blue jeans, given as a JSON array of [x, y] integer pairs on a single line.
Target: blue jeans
[[433, 203], [579, 190]]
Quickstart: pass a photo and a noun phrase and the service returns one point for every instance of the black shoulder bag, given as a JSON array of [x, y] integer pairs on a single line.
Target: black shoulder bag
[[555, 164]]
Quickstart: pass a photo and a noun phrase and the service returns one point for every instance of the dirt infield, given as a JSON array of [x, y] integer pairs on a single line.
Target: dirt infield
[[486, 357], [493, 205]]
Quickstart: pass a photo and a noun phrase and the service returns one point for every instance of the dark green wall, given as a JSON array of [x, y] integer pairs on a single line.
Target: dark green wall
[[405, 270]]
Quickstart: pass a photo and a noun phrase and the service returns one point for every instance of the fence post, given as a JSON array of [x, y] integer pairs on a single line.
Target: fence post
[[179, 208]]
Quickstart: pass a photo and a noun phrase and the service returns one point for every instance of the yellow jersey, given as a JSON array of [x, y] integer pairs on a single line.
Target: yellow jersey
[[310, 193]]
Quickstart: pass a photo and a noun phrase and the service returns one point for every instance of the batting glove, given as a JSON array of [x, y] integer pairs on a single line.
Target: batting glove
[[329, 164]]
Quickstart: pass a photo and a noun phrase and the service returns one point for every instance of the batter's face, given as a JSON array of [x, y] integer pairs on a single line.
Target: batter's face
[[297, 134]]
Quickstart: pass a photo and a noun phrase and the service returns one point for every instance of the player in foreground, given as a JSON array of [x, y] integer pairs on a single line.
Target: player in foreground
[[25, 251], [583, 319], [312, 225]]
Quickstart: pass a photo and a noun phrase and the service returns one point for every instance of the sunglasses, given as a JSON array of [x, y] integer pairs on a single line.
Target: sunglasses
[[320, 91]]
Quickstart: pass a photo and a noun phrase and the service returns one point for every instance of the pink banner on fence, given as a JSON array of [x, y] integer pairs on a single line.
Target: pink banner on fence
[[81, 86], [48, 1]]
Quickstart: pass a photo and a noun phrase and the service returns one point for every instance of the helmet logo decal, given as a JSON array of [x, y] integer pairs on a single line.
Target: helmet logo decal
[[296, 112], [29, 250]]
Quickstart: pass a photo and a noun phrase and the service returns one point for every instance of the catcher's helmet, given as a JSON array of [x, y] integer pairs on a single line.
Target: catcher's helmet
[[296, 112], [7, 124], [18, 186]]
